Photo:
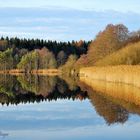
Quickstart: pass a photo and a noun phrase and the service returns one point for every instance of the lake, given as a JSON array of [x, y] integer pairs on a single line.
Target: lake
[[50, 108]]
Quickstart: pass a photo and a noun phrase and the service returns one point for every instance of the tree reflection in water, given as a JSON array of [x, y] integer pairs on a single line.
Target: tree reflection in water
[[27, 88]]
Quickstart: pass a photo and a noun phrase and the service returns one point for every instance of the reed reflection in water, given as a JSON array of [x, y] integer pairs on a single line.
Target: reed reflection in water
[[114, 101]]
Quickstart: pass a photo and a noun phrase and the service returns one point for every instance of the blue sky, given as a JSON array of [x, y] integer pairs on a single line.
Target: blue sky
[[65, 20], [119, 5]]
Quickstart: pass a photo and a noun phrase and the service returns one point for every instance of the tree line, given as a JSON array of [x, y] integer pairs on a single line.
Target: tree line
[[37, 54]]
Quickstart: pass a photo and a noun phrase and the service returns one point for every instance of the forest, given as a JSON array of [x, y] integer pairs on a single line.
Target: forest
[[115, 45], [37, 54]]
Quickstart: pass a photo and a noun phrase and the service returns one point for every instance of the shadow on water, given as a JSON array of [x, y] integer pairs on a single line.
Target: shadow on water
[[114, 102]]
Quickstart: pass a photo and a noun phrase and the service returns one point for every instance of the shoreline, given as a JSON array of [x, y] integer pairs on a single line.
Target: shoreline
[[33, 72]]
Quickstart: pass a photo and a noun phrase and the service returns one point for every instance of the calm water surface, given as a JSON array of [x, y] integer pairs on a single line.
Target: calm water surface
[[50, 108]]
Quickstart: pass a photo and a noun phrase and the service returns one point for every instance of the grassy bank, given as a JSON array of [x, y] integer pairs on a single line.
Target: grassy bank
[[119, 74], [129, 55]]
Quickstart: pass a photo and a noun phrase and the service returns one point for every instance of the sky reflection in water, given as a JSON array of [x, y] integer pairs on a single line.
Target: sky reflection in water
[[62, 120]]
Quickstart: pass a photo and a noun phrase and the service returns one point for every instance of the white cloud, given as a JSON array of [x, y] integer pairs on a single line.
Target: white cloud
[[60, 24]]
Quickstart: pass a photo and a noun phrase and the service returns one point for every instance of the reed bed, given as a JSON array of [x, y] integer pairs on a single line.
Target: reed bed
[[127, 74]]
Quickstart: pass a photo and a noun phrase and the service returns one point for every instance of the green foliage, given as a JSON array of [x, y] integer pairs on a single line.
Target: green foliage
[[38, 59], [29, 61], [39, 85], [68, 67], [6, 59], [52, 63], [6, 85], [28, 83]]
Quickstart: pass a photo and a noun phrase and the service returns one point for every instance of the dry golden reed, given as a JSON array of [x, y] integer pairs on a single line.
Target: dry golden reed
[[46, 71], [127, 74]]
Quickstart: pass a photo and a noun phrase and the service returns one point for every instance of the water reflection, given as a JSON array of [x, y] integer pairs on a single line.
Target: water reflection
[[111, 111], [3, 135], [114, 102], [24, 89]]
